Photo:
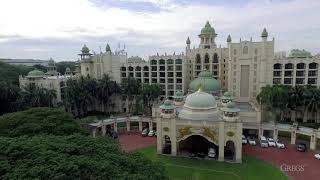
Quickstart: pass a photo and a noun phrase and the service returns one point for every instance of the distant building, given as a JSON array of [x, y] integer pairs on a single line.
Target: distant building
[[26, 62], [49, 80]]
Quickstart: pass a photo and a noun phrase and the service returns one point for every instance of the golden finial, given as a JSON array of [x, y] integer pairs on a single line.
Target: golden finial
[[200, 88]]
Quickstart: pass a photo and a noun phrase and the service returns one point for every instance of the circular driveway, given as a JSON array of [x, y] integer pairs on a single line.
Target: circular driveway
[[297, 165]]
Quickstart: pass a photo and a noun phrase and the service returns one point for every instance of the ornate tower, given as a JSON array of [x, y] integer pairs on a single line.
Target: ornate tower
[[52, 69], [207, 37], [86, 62], [264, 34]]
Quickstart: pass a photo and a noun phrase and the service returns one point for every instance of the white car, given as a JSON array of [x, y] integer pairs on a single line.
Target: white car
[[211, 153], [252, 142], [264, 143], [244, 140], [151, 133], [271, 142], [280, 145], [317, 156], [145, 132]]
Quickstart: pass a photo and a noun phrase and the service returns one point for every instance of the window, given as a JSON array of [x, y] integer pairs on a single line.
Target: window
[[277, 66], [162, 61], [234, 52], [234, 80], [301, 66], [178, 61], [198, 59], [313, 66], [276, 73], [234, 73], [138, 68], [123, 68], [234, 59], [130, 68], [234, 66], [287, 80], [245, 50], [215, 58], [215, 66], [277, 81], [170, 61], [206, 58], [288, 66], [153, 62], [300, 73], [145, 68], [178, 68], [153, 68], [256, 51]]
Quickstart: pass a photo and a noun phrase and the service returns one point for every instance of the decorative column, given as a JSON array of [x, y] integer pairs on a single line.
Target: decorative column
[[140, 125], [221, 141], [260, 132], [150, 124], [94, 132], [293, 137], [275, 134], [103, 130], [238, 143], [173, 137], [159, 136], [313, 142], [128, 125], [115, 126]]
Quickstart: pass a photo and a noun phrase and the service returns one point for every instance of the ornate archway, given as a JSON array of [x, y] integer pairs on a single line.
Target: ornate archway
[[230, 150], [195, 145]]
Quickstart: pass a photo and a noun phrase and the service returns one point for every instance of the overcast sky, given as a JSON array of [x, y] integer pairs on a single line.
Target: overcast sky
[[42, 29]]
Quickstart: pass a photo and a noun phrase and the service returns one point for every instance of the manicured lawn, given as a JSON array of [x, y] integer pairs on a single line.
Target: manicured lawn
[[195, 169]]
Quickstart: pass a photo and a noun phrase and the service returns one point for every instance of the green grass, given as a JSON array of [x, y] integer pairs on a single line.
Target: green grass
[[178, 168]]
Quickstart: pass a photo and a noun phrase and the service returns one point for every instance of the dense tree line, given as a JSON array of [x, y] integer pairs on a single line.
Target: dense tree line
[[12, 98], [85, 94], [10, 73], [285, 101], [47, 143]]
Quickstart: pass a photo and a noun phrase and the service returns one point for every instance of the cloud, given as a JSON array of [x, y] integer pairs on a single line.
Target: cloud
[[292, 22]]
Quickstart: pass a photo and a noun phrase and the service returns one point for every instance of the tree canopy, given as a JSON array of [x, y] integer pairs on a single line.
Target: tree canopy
[[72, 157], [34, 121]]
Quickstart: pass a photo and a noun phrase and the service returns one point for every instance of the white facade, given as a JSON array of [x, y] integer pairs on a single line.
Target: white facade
[[242, 68]]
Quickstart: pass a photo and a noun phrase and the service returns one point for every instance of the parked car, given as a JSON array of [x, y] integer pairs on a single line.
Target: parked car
[[244, 140], [280, 145], [271, 142], [145, 132], [252, 142], [155, 133], [201, 155], [151, 133], [317, 156], [301, 147], [211, 153], [264, 143], [263, 138]]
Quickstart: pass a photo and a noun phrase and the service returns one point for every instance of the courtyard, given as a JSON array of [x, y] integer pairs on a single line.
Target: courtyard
[[258, 163]]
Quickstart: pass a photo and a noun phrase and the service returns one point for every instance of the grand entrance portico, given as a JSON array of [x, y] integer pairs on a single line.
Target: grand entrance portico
[[200, 124]]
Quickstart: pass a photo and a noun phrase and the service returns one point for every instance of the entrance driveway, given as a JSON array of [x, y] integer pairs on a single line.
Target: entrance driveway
[[297, 165], [133, 140]]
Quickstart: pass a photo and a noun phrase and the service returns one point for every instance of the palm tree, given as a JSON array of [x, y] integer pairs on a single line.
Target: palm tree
[[149, 94], [106, 88], [130, 89]]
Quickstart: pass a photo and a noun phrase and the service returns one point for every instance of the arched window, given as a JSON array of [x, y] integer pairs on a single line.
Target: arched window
[[170, 61], [162, 61], [288, 66], [138, 68], [154, 62], [123, 68], [245, 50], [87, 69], [256, 51], [215, 58], [198, 59], [301, 66], [313, 65], [178, 61], [130, 68], [206, 58], [145, 68], [234, 52], [277, 66]]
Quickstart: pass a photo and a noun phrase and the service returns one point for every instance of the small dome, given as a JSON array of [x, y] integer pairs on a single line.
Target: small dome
[[206, 81], [200, 100], [264, 33], [51, 62], [85, 49], [230, 107], [179, 93], [208, 29], [35, 74], [229, 38], [167, 105], [227, 94]]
